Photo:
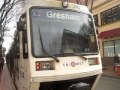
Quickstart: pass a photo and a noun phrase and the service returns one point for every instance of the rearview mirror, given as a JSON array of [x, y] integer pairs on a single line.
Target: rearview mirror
[[20, 26]]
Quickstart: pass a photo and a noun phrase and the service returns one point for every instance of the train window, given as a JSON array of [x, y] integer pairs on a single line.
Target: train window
[[17, 47], [21, 23], [25, 45]]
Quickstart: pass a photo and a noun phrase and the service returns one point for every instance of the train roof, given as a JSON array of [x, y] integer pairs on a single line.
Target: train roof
[[55, 4]]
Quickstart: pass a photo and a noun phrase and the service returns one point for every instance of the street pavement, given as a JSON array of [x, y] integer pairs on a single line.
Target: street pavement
[[108, 83]]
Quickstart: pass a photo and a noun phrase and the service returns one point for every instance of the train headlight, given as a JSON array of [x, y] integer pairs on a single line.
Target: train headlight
[[44, 65], [65, 3], [93, 61]]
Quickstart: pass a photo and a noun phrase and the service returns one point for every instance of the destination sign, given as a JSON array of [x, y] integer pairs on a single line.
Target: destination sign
[[51, 14], [55, 14]]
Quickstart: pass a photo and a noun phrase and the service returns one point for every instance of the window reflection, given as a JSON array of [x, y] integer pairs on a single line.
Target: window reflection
[[62, 35]]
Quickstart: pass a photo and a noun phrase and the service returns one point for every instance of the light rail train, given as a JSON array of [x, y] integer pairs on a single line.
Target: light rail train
[[55, 48]]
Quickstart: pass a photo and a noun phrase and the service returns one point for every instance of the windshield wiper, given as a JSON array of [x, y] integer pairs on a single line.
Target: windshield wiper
[[80, 56], [55, 58]]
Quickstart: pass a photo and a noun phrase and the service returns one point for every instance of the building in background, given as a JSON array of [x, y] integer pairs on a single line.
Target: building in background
[[107, 19]]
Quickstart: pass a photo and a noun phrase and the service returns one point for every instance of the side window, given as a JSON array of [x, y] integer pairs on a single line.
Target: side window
[[22, 27], [24, 38], [17, 47], [25, 45]]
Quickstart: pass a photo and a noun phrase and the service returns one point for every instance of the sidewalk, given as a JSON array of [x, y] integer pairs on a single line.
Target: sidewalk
[[6, 82], [109, 71]]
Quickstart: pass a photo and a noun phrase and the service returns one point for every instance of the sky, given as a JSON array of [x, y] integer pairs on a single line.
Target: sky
[[8, 39], [9, 35]]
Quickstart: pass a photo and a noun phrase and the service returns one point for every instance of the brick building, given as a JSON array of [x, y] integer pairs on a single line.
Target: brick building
[[107, 18]]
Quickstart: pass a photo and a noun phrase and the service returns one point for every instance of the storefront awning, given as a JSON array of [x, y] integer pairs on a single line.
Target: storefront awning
[[110, 33]]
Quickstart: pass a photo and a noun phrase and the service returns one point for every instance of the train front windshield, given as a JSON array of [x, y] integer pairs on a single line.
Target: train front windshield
[[61, 33]]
